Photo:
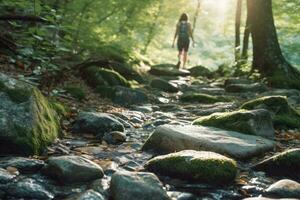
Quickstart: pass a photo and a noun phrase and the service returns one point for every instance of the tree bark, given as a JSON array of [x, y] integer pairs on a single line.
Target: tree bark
[[267, 55], [246, 40], [238, 15]]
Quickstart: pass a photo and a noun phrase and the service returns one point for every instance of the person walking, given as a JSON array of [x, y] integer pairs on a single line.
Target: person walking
[[183, 34]]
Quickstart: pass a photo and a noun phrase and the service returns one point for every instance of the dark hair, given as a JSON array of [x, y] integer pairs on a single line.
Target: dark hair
[[184, 17]]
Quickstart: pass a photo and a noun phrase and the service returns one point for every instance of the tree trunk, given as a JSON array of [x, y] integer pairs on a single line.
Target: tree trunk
[[238, 15], [267, 56], [246, 40]]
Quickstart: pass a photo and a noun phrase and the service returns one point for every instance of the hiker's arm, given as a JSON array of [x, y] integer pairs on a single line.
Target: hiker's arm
[[175, 36], [191, 33]]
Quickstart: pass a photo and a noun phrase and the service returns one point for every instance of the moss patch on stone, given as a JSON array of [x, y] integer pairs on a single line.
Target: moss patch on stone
[[206, 167], [96, 76], [203, 98], [17, 95], [286, 163], [232, 121], [283, 114], [43, 130]]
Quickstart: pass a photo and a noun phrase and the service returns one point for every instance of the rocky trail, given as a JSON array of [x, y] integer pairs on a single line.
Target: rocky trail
[[233, 138]]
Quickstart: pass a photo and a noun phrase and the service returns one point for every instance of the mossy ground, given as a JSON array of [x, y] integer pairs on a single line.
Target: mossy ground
[[214, 170], [76, 91], [232, 121], [203, 98], [284, 115]]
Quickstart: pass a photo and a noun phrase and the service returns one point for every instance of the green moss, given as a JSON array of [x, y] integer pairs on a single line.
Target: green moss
[[203, 168], [60, 109], [232, 121], [43, 130], [76, 91], [284, 115], [290, 159], [203, 98], [18, 95], [96, 76]]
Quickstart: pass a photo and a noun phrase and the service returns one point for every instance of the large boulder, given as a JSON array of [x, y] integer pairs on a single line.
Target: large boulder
[[286, 163], [242, 88], [201, 71], [28, 122], [254, 122], [171, 138], [284, 189], [136, 185], [202, 98], [201, 166], [96, 76], [283, 114], [96, 123], [293, 95], [72, 169], [164, 85]]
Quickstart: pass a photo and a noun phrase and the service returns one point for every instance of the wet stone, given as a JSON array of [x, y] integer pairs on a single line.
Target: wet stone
[[29, 189], [115, 137], [24, 165], [284, 189], [72, 169], [5, 176]]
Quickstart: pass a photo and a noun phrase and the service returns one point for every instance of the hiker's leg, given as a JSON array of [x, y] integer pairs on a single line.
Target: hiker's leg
[[179, 59], [185, 53]]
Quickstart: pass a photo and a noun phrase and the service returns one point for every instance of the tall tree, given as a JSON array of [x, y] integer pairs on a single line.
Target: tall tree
[[238, 15], [267, 55]]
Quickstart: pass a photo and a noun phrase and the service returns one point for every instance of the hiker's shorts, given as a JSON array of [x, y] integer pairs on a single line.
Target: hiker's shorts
[[183, 44]]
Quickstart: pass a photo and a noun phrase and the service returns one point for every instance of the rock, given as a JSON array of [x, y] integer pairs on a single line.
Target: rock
[[24, 165], [202, 98], [172, 138], [136, 185], [96, 76], [240, 88], [254, 122], [29, 189], [128, 97], [234, 81], [114, 137], [283, 114], [286, 163], [168, 70], [72, 169], [28, 122], [97, 186], [201, 71], [88, 195], [5, 176], [284, 189], [201, 166], [164, 85], [95, 123], [293, 95]]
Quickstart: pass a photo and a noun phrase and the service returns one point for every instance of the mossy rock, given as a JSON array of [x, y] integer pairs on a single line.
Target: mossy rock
[[243, 88], [286, 163], [283, 114], [76, 91], [203, 98], [96, 76], [200, 166], [164, 85], [255, 122], [28, 121], [201, 71]]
